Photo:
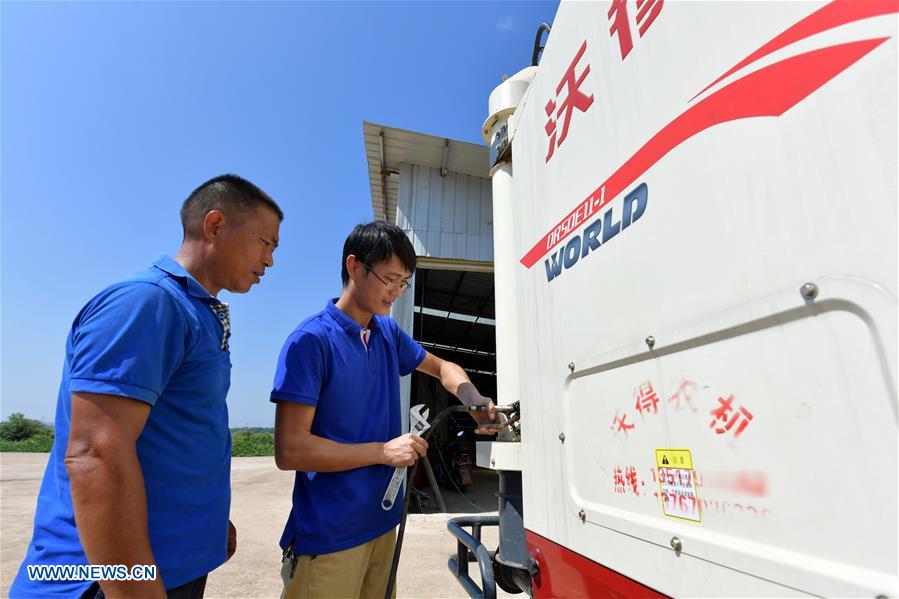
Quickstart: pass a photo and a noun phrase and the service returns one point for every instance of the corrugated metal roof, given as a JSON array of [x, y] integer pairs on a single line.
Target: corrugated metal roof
[[457, 291], [410, 147], [454, 318]]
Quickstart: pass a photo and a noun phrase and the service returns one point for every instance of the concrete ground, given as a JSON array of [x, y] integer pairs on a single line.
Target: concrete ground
[[260, 504]]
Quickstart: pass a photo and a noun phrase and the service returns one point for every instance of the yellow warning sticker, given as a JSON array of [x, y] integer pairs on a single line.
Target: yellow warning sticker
[[678, 493], [674, 458]]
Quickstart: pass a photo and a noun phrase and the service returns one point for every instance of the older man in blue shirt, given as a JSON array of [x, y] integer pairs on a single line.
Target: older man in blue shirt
[[139, 474]]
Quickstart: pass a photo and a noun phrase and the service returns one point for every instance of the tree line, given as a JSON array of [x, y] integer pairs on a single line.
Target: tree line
[[21, 434]]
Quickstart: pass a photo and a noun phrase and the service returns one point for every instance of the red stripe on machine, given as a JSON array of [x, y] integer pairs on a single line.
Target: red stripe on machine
[[838, 12], [564, 573], [770, 91]]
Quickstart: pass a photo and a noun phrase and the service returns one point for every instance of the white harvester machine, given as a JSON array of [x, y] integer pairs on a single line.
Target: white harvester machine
[[695, 228]]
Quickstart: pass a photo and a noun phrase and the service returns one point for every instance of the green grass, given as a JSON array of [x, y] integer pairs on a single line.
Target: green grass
[[248, 443], [243, 443], [36, 444]]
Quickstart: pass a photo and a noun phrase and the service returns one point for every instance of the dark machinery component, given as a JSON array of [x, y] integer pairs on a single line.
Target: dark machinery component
[[510, 567], [411, 476], [471, 542], [512, 553], [538, 49]]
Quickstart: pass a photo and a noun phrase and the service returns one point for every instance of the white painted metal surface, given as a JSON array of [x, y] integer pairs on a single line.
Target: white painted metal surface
[[787, 403], [403, 312], [498, 455]]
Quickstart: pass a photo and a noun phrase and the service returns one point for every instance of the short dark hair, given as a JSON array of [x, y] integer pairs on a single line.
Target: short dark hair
[[234, 196], [375, 242]]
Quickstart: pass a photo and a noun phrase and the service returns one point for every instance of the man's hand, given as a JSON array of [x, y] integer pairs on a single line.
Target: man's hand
[[485, 418], [296, 448], [454, 380], [403, 451], [469, 395], [232, 540]]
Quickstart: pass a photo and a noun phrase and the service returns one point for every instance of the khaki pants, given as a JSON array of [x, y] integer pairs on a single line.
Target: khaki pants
[[360, 571]]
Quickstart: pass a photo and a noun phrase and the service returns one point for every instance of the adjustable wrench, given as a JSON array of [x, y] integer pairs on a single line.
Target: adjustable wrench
[[419, 424]]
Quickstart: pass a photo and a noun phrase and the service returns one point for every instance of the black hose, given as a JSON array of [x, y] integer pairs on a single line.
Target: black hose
[[399, 537], [538, 49]]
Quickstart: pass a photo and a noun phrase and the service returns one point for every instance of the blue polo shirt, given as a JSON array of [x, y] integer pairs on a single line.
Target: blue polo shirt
[[355, 388], [155, 338]]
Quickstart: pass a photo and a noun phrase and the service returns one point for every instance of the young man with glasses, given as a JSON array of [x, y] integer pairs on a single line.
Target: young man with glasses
[[338, 422]]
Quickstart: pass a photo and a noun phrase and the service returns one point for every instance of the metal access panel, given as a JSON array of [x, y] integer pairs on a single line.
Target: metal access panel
[[706, 228]]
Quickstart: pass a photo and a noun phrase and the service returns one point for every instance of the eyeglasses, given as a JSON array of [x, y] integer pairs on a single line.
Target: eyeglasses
[[399, 285]]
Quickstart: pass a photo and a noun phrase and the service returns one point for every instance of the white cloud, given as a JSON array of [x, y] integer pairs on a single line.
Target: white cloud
[[505, 24]]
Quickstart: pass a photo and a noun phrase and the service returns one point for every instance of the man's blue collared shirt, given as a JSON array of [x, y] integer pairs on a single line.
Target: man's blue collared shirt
[[155, 338], [354, 386]]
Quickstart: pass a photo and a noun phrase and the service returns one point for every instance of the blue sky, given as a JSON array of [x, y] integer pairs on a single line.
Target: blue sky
[[112, 112]]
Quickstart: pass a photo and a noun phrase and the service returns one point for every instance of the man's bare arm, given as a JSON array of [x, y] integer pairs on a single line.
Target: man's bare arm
[[296, 448], [107, 486], [454, 380]]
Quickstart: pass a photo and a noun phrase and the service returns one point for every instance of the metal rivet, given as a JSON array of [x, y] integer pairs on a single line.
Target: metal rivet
[[571, 366], [676, 544], [562, 437], [809, 291], [582, 515], [650, 342]]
